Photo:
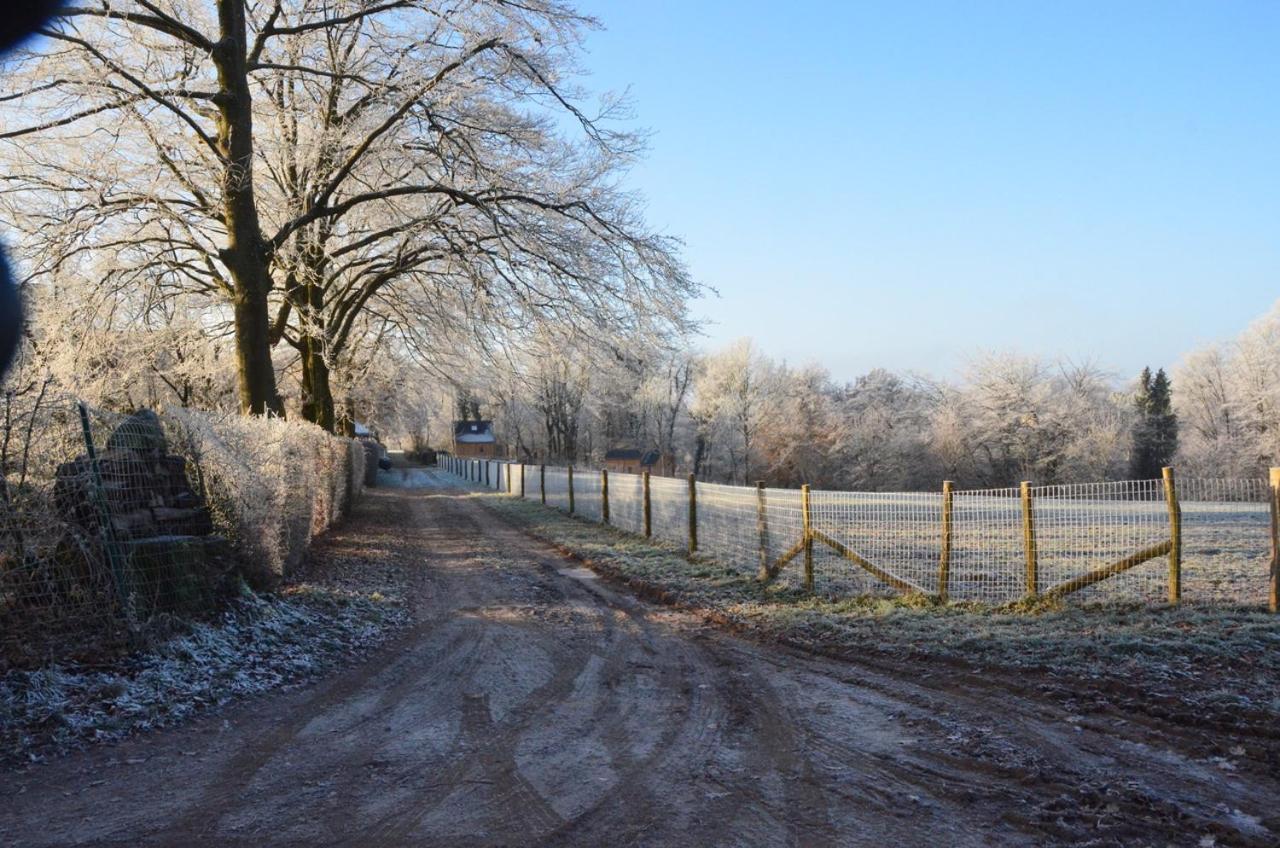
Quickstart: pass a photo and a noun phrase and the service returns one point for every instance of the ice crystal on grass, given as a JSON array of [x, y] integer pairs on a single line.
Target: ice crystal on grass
[[259, 643]]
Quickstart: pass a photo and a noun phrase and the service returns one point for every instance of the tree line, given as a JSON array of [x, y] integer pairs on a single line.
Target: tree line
[[737, 415]]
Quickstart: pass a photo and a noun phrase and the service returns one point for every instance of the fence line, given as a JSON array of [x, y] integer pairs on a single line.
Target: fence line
[[1165, 540]]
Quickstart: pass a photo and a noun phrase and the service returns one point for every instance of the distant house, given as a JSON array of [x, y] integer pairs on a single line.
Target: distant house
[[631, 460], [474, 438]]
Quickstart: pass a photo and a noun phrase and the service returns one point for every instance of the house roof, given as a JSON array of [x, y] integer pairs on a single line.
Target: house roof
[[473, 432], [630, 454]]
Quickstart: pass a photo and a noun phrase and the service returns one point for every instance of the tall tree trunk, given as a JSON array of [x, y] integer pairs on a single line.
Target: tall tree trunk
[[346, 425], [317, 394], [256, 377], [246, 255]]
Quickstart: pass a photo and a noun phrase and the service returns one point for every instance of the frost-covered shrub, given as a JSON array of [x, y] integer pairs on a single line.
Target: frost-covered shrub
[[272, 485]]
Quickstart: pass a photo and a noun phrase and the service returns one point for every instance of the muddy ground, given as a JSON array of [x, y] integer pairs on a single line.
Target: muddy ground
[[534, 704]]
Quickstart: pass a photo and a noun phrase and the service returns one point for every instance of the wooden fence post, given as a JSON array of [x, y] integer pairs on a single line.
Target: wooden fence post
[[693, 514], [807, 520], [604, 495], [487, 483], [762, 530], [1175, 535], [522, 481], [1275, 540], [571, 490], [944, 559], [542, 482], [1029, 541], [648, 509]]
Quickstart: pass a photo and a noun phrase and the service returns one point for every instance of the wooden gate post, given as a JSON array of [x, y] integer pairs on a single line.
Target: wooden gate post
[[1274, 600], [604, 495], [807, 522], [762, 531], [542, 482], [693, 514], [1175, 535], [1029, 541], [571, 490], [944, 559], [648, 509]]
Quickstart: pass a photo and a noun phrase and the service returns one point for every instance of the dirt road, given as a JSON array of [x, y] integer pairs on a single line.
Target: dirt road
[[531, 704]]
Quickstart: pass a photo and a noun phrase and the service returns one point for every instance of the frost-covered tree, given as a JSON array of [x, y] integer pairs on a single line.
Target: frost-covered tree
[[1016, 418], [737, 393], [1227, 399], [302, 165], [884, 437]]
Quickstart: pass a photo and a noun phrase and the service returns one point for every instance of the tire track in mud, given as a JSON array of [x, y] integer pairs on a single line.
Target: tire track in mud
[[730, 706], [484, 753]]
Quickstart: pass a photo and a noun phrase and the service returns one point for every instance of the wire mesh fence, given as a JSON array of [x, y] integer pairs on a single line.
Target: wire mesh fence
[[114, 527], [1149, 541]]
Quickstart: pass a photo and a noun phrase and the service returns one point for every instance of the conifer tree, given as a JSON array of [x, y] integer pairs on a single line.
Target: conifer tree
[[1155, 435]]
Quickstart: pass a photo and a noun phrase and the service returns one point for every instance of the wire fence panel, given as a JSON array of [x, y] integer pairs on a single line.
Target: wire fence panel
[[898, 533], [557, 482], [727, 526], [988, 561], [1096, 542], [1095, 528], [1226, 541], [626, 502], [669, 509], [586, 494]]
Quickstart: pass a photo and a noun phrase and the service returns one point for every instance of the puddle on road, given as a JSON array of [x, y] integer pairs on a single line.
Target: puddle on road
[[578, 573], [407, 478]]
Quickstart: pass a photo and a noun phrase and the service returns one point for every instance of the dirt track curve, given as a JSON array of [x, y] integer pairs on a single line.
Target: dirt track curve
[[533, 705]]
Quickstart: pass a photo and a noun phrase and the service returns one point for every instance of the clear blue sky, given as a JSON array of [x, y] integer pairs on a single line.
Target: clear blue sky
[[902, 184]]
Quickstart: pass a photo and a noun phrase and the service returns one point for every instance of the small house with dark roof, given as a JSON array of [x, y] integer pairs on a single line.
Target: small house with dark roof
[[474, 439], [631, 460]]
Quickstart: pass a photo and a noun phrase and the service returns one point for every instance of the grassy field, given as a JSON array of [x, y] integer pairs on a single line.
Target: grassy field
[[1225, 534], [1196, 664]]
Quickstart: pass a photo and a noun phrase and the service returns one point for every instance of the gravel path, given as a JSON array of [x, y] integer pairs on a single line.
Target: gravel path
[[532, 703]]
